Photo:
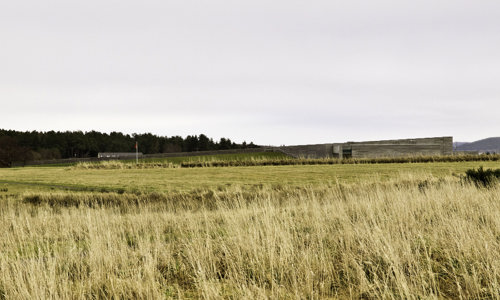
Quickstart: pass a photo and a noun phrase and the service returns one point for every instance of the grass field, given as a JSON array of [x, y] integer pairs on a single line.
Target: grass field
[[180, 179], [306, 231]]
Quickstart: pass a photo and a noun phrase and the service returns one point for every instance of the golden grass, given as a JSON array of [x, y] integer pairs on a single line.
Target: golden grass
[[409, 237]]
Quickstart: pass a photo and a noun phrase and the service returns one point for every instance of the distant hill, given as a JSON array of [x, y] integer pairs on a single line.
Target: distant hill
[[491, 144], [458, 144]]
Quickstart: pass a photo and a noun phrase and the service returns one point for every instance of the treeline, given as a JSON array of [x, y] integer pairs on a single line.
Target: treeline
[[36, 145]]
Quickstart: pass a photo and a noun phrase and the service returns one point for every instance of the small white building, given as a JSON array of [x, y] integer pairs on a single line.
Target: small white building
[[118, 155]]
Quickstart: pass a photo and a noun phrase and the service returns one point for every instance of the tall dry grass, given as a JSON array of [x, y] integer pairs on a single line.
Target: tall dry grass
[[410, 238], [117, 164]]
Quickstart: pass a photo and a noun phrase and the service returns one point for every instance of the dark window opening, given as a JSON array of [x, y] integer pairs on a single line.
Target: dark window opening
[[346, 153]]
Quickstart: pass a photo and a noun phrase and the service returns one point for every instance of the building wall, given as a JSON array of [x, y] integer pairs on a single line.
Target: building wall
[[416, 141], [373, 149], [447, 145], [403, 147], [394, 150]]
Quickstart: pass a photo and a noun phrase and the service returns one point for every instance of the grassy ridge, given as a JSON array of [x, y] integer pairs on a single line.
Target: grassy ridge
[[173, 160], [334, 161], [399, 239], [177, 161], [261, 159], [219, 157], [272, 159]]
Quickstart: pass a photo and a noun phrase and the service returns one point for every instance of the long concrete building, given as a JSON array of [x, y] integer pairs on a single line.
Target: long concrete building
[[374, 149]]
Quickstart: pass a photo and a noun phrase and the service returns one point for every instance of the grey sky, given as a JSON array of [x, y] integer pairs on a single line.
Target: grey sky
[[273, 72]]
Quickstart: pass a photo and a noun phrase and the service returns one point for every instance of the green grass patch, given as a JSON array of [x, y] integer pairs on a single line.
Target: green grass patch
[[188, 179]]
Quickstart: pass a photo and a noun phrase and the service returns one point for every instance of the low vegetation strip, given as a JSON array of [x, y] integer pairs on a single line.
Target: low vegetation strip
[[201, 162], [66, 187], [332, 161], [403, 239], [115, 164], [175, 162], [185, 201], [208, 199]]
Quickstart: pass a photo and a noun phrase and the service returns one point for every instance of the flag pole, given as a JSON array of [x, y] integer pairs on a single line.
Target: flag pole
[[136, 153]]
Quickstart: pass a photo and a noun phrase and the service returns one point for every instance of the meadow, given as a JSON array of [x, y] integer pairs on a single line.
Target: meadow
[[370, 231]]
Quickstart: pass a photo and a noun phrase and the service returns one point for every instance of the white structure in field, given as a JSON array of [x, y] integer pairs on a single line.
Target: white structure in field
[[118, 155]]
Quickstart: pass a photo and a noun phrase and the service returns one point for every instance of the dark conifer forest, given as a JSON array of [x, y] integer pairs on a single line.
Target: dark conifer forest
[[37, 145]]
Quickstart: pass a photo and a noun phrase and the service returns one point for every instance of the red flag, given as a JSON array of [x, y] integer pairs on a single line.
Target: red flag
[[135, 145]]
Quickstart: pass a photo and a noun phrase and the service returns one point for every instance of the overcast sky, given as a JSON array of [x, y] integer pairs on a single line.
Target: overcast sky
[[271, 72]]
